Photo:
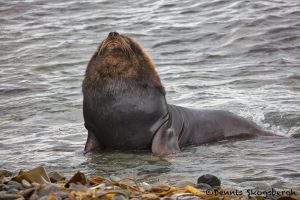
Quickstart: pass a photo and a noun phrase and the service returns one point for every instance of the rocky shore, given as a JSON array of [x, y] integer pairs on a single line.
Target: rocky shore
[[39, 184]]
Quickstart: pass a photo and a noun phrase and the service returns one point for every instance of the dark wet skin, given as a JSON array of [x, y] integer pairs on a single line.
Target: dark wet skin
[[124, 106]]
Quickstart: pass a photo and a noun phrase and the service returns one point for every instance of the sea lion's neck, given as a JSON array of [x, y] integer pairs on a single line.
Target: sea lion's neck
[[116, 86], [104, 71], [123, 112], [109, 82]]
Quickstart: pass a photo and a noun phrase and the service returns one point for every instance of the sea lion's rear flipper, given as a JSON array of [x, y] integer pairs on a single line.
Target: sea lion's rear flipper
[[92, 143], [165, 141]]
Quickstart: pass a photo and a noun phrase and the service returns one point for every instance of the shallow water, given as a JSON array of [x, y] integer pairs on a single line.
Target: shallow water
[[241, 56]]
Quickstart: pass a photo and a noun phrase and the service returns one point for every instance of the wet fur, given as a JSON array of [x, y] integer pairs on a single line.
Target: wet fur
[[133, 65], [121, 90], [124, 106]]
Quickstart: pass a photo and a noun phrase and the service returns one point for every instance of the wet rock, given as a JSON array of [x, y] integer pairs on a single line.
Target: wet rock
[[184, 196], [50, 197], [119, 197], [6, 173], [63, 195], [26, 184], [78, 186], [4, 179], [5, 196], [210, 180], [37, 185], [286, 198], [44, 198], [27, 193], [115, 178], [13, 190], [53, 197], [125, 193], [3, 187], [21, 198], [78, 177], [14, 184], [34, 197], [144, 186], [47, 189], [203, 186], [55, 177], [188, 198]]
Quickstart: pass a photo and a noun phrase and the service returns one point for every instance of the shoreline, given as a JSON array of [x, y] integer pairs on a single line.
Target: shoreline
[[39, 184]]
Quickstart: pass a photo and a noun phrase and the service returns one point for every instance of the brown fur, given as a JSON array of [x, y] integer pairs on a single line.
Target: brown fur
[[127, 61], [124, 106]]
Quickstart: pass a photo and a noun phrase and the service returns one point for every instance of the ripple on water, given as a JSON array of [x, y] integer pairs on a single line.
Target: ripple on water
[[241, 56]]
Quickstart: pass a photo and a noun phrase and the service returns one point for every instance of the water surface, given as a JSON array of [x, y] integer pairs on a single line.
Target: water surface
[[241, 56]]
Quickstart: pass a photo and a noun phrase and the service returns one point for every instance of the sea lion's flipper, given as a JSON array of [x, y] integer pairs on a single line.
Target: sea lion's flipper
[[92, 143], [165, 141]]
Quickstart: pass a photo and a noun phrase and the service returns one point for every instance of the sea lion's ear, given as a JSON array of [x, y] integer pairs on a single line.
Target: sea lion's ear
[[165, 141]]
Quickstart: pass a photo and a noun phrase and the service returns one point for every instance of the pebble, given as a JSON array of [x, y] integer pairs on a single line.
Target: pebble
[[188, 198], [144, 186], [119, 197], [210, 180], [81, 186], [12, 190], [63, 195], [5, 196], [286, 198], [34, 197], [44, 198], [184, 196], [26, 184], [125, 193], [55, 177], [34, 184], [114, 178], [47, 189], [14, 184], [50, 197], [3, 187], [28, 192], [78, 186]]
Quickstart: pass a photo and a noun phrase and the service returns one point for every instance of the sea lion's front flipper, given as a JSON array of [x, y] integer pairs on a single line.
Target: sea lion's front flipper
[[92, 143], [165, 141]]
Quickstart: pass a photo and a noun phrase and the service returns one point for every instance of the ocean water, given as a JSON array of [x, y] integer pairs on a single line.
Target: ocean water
[[241, 56]]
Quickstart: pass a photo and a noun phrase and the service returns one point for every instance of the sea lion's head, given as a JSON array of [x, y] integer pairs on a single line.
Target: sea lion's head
[[117, 45], [119, 56]]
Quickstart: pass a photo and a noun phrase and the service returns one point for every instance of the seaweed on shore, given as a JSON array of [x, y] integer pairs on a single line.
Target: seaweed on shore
[[38, 184]]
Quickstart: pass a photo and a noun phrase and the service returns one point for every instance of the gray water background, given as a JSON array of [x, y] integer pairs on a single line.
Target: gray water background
[[241, 56]]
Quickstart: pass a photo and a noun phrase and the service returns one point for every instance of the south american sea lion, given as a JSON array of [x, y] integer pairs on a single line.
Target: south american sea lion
[[125, 108]]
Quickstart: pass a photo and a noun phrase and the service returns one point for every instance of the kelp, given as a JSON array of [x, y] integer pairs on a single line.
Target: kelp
[[39, 184]]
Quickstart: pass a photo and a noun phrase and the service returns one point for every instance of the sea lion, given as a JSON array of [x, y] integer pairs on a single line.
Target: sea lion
[[125, 108]]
